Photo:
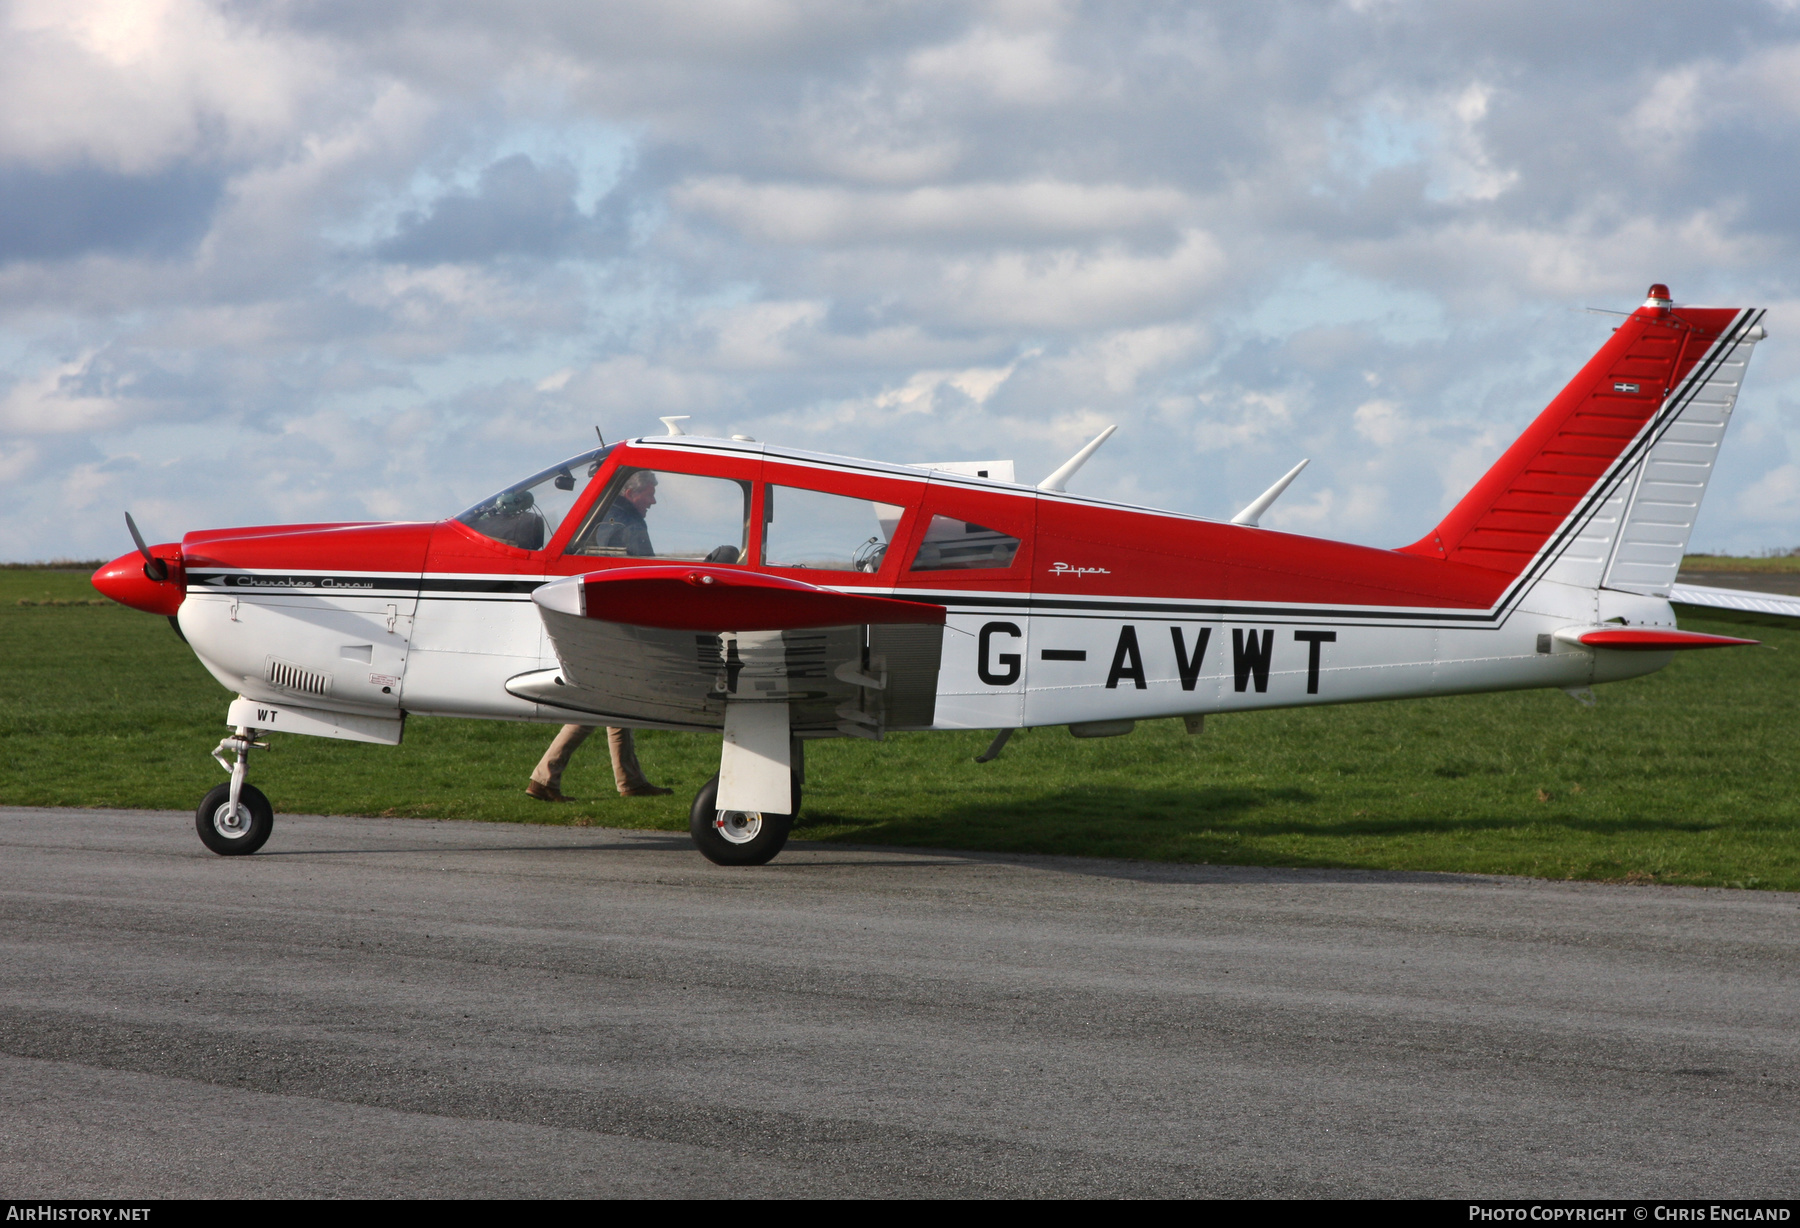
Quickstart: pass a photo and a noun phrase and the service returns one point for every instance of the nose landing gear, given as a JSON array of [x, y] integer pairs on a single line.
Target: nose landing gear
[[235, 818]]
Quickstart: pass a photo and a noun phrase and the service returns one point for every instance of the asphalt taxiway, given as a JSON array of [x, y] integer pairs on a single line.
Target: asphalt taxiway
[[394, 1007]]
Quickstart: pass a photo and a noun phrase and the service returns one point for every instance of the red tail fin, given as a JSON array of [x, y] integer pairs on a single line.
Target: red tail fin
[[1588, 438]]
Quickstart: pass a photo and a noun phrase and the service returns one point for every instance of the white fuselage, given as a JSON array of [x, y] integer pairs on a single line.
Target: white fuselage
[[380, 651]]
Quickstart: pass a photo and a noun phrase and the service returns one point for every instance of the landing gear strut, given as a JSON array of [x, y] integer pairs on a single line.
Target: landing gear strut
[[235, 818], [738, 837]]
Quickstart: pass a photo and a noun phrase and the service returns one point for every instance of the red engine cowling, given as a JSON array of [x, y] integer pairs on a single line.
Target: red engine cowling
[[127, 581]]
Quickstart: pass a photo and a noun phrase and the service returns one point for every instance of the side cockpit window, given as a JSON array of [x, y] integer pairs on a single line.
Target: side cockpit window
[[528, 514], [825, 532], [962, 545], [656, 514]]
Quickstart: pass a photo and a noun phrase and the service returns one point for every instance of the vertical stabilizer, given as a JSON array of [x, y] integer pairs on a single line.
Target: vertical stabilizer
[[1604, 486]]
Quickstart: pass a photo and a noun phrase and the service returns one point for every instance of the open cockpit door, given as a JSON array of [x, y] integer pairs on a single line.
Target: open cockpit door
[[691, 647]]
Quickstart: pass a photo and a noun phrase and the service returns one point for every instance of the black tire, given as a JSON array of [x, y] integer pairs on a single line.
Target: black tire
[[724, 840], [221, 839]]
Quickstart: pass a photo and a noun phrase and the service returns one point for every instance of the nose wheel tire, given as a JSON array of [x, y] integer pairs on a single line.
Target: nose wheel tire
[[233, 835], [737, 837]]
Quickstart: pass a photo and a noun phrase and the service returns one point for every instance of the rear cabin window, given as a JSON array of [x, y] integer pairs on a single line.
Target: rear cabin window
[[962, 545], [823, 532], [655, 514]]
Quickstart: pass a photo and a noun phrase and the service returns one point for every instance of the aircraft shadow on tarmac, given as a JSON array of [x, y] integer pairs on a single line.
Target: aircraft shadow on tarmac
[[1179, 812], [1134, 870], [656, 842], [896, 858], [1086, 816], [815, 856]]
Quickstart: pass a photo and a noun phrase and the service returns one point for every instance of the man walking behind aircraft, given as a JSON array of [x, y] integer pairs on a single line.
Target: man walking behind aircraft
[[628, 777], [624, 523]]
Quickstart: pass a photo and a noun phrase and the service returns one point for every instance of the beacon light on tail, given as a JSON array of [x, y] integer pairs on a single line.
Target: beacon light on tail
[[776, 596]]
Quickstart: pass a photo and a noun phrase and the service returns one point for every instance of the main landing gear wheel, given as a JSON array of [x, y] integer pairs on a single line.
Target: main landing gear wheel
[[233, 835], [737, 837]]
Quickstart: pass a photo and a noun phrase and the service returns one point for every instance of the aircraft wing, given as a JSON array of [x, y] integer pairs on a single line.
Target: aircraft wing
[[1741, 600], [668, 646]]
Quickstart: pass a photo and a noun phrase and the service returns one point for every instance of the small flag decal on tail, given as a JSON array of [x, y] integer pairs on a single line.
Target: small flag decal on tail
[[1625, 387]]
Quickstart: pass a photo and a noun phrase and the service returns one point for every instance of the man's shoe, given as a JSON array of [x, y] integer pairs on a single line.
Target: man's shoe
[[646, 791], [544, 793]]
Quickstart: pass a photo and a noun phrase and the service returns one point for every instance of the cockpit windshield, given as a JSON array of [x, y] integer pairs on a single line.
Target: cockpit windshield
[[528, 513]]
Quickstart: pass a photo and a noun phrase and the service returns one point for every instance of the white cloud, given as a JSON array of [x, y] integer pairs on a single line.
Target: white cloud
[[1381, 423], [1021, 68], [1246, 235], [17, 460], [1075, 289], [1774, 498], [1122, 359], [1234, 423], [1465, 170], [920, 391], [791, 213], [132, 84], [1670, 115], [54, 401], [761, 336], [1330, 514]]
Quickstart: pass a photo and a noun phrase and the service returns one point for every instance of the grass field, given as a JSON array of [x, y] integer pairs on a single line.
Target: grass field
[[1682, 777], [1773, 565]]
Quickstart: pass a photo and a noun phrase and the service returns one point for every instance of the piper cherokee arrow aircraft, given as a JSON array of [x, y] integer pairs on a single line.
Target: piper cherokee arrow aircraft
[[778, 596]]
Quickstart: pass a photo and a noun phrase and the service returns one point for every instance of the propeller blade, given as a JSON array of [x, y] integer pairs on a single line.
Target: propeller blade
[[154, 567]]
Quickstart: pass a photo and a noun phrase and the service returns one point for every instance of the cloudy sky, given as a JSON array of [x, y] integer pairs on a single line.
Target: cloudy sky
[[332, 260]]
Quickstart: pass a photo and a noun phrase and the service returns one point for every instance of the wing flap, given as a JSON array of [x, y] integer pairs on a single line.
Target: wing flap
[[670, 646], [627, 675]]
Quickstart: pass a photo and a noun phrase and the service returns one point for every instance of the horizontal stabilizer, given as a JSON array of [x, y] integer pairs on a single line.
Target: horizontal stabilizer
[[720, 599], [1777, 604], [1653, 639]]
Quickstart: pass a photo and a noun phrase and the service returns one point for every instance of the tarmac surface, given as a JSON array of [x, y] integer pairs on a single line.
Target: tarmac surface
[[401, 1007]]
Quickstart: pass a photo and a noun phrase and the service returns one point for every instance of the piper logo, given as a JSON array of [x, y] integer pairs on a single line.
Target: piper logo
[[1625, 387]]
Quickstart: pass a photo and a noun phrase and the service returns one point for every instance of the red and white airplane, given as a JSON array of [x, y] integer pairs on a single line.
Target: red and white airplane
[[777, 596]]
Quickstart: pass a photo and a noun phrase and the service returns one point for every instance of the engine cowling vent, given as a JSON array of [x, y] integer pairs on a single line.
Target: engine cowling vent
[[290, 677]]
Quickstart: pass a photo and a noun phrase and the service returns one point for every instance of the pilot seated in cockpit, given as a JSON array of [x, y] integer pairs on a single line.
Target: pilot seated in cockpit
[[623, 525]]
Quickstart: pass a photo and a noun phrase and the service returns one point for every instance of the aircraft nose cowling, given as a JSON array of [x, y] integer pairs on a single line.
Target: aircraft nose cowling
[[125, 581]]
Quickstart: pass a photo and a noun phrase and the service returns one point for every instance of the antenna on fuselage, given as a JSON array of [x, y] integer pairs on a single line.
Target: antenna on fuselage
[[1250, 515], [1060, 479], [672, 420], [598, 435]]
